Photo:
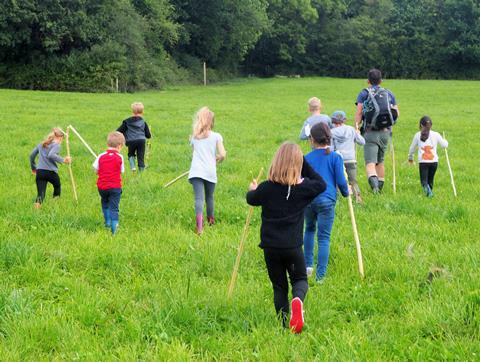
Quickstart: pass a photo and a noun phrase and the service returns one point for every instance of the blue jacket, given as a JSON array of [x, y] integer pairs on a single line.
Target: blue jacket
[[330, 167]]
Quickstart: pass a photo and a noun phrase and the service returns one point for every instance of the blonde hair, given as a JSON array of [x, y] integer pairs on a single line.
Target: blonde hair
[[203, 123], [314, 104], [56, 132], [115, 139], [286, 165], [137, 107]]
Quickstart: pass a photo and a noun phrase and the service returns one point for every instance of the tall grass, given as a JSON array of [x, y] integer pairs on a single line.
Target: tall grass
[[157, 291]]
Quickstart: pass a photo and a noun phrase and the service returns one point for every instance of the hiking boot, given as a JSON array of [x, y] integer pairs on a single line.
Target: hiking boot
[[296, 318], [199, 224], [374, 184], [380, 185], [211, 220], [37, 205]]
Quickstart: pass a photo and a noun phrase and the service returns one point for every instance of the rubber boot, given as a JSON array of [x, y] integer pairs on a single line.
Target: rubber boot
[[373, 182], [131, 160], [106, 216], [380, 185], [114, 226], [211, 220], [199, 224]]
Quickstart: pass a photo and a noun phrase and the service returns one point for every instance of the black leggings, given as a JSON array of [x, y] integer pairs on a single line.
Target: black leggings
[[42, 179], [279, 263], [137, 148], [427, 173]]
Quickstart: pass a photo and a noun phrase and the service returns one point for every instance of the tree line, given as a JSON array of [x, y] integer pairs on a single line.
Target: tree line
[[95, 45]]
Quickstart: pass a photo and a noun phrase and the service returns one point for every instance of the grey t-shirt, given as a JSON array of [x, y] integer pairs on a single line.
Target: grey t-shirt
[[313, 120], [204, 161], [48, 157]]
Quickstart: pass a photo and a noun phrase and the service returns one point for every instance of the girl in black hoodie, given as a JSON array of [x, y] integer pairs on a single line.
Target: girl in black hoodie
[[292, 184]]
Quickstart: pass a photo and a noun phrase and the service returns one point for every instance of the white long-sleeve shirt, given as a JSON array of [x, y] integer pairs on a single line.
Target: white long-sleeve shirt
[[427, 151]]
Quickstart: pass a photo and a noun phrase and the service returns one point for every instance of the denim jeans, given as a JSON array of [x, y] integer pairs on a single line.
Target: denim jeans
[[319, 216], [110, 203]]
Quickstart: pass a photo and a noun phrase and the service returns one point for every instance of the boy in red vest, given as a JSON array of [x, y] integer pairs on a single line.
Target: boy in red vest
[[109, 167]]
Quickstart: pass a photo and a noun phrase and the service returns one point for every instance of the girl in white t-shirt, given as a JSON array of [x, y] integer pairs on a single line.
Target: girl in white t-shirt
[[208, 150], [426, 141]]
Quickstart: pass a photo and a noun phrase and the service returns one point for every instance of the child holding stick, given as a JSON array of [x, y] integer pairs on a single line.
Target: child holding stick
[[208, 150], [321, 212], [136, 131], [109, 166], [344, 139], [292, 185], [426, 141], [47, 170]]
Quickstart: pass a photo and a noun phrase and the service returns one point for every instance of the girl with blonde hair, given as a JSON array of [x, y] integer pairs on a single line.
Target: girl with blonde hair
[[208, 150], [47, 170], [292, 184]]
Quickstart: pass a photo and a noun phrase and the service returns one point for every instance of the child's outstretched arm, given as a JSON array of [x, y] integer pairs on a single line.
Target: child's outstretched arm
[[33, 155], [340, 179], [359, 138], [221, 153], [53, 154], [413, 147], [123, 128], [255, 194], [305, 131], [148, 134], [442, 141]]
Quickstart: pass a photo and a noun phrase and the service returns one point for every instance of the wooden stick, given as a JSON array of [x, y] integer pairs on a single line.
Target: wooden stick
[[176, 179], [241, 246], [355, 234], [70, 171], [81, 139], [450, 170], [393, 169], [205, 74]]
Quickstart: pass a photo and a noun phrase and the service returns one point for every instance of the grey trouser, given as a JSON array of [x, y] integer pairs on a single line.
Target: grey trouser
[[203, 191], [351, 168], [376, 143]]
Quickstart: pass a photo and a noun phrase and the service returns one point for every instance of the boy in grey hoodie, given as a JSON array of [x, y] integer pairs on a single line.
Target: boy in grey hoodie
[[344, 138], [136, 131]]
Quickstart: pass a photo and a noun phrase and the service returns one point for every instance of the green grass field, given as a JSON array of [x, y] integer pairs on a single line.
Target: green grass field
[[156, 291]]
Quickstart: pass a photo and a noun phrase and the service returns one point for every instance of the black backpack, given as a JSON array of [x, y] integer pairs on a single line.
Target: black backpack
[[377, 109]]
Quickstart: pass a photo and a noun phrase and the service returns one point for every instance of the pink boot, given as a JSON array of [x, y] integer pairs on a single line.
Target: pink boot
[[199, 225]]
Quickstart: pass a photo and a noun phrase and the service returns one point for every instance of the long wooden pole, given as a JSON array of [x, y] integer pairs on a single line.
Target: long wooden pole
[[70, 171], [205, 73], [450, 170], [355, 234], [149, 146], [241, 246], [83, 141], [176, 179], [394, 170]]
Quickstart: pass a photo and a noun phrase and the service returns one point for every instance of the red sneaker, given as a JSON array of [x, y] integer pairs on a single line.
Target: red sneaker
[[296, 318]]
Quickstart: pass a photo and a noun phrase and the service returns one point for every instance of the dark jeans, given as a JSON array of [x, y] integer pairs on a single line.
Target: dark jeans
[[42, 179], [203, 190], [279, 263], [110, 202], [427, 173], [137, 148]]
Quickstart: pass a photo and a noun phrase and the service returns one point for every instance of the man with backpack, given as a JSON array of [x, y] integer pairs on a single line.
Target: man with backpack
[[377, 112]]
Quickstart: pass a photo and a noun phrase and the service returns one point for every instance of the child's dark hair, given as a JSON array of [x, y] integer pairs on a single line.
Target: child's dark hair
[[374, 76], [321, 135], [425, 127]]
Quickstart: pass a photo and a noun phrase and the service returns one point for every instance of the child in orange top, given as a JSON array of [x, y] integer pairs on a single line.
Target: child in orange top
[[426, 141]]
